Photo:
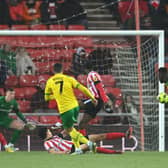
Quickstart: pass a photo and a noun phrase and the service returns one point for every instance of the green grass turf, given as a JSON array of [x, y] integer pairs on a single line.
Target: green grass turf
[[45, 160]]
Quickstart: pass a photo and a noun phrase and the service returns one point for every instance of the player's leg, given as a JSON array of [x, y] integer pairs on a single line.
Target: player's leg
[[68, 120], [4, 143], [110, 135], [18, 126], [90, 112], [107, 151]]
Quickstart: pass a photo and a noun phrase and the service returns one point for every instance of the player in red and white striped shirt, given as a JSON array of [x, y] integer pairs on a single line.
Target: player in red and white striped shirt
[[57, 145], [95, 85]]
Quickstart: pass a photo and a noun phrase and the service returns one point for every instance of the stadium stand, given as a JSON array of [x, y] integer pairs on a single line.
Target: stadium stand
[[76, 27], [20, 27], [2, 93], [49, 119], [57, 27], [4, 27], [24, 106], [11, 81], [27, 80]]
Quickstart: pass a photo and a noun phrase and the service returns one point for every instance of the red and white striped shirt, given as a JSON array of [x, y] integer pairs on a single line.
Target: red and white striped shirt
[[96, 88], [58, 144]]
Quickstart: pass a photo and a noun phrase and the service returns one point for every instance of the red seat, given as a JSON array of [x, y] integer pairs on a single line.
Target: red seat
[[43, 67], [38, 27], [95, 120], [85, 42], [4, 27], [76, 27], [24, 106], [57, 27], [116, 92], [33, 118], [82, 79], [67, 55], [29, 92], [43, 77], [19, 93], [79, 94], [52, 105], [67, 67], [49, 119], [52, 54], [2, 92], [20, 27], [28, 80], [11, 81], [108, 80]]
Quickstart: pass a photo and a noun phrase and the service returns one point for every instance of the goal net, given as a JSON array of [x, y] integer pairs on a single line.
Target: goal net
[[130, 78]]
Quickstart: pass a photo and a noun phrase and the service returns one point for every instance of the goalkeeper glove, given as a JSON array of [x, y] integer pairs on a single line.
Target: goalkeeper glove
[[162, 97], [30, 125]]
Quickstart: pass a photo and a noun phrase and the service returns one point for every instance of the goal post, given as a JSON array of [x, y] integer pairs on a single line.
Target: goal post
[[159, 34]]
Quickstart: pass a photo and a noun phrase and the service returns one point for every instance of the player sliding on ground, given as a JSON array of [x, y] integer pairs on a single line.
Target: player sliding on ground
[[9, 104], [60, 87], [57, 145]]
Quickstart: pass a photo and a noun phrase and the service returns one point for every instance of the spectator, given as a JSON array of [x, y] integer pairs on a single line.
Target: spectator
[[78, 61], [49, 12], [24, 64], [3, 72], [16, 11], [101, 58], [31, 12], [112, 5], [37, 101], [72, 12], [4, 13], [126, 11], [8, 56], [131, 107]]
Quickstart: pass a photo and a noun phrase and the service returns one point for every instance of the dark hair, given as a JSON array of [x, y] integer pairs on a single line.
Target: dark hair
[[163, 75], [57, 67], [42, 133], [9, 89]]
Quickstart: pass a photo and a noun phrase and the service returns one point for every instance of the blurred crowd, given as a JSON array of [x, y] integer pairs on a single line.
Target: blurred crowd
[[42, 11]]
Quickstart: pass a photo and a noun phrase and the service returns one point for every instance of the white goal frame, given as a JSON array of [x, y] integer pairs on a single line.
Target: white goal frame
[[159, 33]]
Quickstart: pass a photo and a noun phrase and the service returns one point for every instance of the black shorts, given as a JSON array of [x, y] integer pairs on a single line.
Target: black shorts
[[91, 109], [72, 149]]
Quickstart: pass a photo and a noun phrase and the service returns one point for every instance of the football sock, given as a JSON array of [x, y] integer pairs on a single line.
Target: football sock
[[75, 138], [104, 150], [2, 140], [78, 137], [15, 136], [114, 135]]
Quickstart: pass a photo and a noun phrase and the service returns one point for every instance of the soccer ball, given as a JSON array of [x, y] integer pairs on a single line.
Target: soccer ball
[[163, 98]]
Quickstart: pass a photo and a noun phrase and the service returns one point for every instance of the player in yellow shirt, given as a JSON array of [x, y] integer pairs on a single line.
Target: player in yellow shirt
[[61, 88]]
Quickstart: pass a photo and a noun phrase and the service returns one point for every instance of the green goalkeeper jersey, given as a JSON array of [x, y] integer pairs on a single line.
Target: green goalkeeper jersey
[[7, 107]]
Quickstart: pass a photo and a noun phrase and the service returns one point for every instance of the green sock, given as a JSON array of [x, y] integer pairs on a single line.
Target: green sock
[[15, 136]]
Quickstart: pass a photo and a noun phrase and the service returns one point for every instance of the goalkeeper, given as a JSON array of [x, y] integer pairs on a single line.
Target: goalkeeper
[[9, 104], [163, 78]]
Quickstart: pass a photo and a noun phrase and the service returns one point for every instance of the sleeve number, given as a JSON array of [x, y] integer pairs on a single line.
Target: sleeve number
[[61, 83]]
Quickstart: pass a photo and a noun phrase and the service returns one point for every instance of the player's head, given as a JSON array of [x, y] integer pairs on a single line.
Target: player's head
[[10, 94], [163, 75], [45, 133], [58, 68]]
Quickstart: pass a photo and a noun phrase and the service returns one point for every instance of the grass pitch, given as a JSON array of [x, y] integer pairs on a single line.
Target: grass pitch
[[45, 160]]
